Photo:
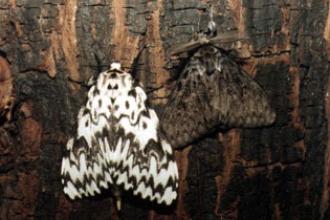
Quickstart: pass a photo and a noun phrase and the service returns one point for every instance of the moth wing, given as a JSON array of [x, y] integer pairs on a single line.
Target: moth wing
[[86, 169], [241, 101], [145, 162]]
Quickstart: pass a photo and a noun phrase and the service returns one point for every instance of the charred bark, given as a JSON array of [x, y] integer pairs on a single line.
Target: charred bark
[[278, 172]]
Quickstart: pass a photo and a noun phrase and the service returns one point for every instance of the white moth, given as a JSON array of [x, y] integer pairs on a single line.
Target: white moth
[[118, 145]]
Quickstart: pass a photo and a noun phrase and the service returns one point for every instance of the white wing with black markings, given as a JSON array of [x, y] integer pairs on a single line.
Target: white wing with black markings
[[118, 144]]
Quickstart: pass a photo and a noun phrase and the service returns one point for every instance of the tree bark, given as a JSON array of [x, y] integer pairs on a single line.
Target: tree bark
[[279, 172]]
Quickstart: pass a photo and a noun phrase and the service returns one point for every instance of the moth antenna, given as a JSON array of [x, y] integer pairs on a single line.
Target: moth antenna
[[99, 66], [135, 64], [198, 23], [153, 89], [211, 26], [195, 34], [86, 84]]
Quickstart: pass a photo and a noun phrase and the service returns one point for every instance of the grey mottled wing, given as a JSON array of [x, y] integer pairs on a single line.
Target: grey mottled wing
[[213, 91], [118, 145]]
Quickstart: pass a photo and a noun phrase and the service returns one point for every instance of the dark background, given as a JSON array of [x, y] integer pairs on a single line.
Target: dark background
[[279, 172]]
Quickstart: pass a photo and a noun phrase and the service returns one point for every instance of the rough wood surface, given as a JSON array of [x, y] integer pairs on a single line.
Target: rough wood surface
[[280, 172]]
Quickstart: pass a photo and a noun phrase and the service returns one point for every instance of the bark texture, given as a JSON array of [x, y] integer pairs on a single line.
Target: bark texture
[[279, 172]]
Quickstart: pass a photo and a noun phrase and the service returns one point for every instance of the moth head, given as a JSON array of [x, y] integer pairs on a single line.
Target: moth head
[[115, 66], [116, 79], [180, 54]]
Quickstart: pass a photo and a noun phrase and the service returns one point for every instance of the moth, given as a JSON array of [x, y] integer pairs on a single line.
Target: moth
[[118, 145], [212, 92]]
